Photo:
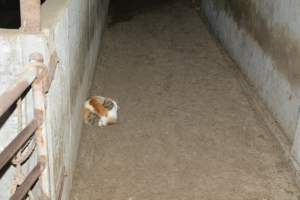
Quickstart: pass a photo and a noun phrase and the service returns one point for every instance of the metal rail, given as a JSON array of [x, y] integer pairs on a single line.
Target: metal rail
[[30, 180], [10, 96], [37, 77], [10, 151]]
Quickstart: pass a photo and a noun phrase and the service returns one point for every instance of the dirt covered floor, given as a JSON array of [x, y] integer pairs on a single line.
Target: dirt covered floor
[[187, 130]]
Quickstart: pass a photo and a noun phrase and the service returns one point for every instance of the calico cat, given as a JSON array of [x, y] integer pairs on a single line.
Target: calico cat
[[100, 111]]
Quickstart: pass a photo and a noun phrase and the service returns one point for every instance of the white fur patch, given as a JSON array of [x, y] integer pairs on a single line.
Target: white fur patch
[[113, 113], [103, 121]]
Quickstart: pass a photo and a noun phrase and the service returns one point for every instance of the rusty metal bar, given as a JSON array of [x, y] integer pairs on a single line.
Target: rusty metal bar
[[11, 150], [30, 180], [30, 15], [39, 78], [14, 92], [11, 95], [51, 70], [40, 105]]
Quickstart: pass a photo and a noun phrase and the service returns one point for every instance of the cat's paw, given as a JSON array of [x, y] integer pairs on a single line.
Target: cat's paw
[[103, 122]]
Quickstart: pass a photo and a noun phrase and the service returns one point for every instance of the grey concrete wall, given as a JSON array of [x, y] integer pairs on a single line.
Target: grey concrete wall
[[263, 37], [72, 28]]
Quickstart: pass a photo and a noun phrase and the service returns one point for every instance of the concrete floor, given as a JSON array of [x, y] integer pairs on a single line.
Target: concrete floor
[[187, 129]]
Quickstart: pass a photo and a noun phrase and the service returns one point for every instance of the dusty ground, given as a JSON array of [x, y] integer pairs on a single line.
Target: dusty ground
[[186, 131]]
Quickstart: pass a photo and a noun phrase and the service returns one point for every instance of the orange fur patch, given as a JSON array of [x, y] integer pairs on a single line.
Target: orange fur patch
[[98, 106], [111, 120], [86, 115]]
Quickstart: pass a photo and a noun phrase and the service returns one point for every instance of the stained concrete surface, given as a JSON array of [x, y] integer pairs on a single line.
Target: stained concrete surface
[[187, 129]]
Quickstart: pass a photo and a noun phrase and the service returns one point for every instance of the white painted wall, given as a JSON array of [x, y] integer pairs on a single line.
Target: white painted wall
[[74, 29], [271, 78], [75, 32]]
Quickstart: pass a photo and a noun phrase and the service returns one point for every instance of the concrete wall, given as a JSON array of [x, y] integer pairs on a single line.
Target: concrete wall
[[263, 37], [72, 28]]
